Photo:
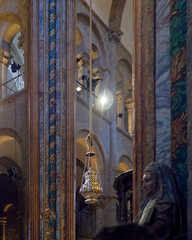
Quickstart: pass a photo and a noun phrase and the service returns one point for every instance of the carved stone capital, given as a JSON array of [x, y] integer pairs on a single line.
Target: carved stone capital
[[115, 34], [5, 58]]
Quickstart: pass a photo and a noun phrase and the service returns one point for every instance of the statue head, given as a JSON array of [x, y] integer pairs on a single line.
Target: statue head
[[149, 183], [153, 180]]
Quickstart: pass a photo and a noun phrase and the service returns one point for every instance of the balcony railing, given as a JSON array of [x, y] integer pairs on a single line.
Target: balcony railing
[[12, 86]]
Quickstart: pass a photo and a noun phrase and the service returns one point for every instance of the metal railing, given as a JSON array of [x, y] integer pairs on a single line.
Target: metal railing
[[11, 89]]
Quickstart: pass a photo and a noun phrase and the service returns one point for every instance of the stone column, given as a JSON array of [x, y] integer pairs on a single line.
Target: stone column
[[33, 101], [129, 107], [4, 63], [3, 221], [143, 93], [110, 196], [51, 119], [120, 109], [114, 37], [1, 81], [4, 80]]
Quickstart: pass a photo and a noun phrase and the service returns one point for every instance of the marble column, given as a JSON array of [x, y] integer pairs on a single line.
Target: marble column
[[178, 34], [162, 82], [189, 116]]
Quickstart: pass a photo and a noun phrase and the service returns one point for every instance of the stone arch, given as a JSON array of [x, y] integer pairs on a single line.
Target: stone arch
[[8, 163], [10, 17], [81, 17], [10, 48], [11, 32], [79, 41], [12, 24], [124, 67], [79, 37], [124, 95], [13, 135], [116, 13], [98, 146]]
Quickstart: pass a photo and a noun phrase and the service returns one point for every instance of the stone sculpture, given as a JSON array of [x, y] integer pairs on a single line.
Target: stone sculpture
[[161, 210]]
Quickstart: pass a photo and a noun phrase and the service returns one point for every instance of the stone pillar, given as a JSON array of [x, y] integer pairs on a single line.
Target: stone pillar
[[4, 63], [143, 93], [3, 69], [113, 144], [130, 120], [51, 119], [3, 221], [33, 101], [1, 80], [109, 197], [114, 37], [120, 109]]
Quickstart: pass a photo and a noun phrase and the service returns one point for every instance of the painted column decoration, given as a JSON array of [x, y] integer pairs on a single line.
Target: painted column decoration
[[52, 119], [162, 82], [56, 69], [48, 128], [178, 26]]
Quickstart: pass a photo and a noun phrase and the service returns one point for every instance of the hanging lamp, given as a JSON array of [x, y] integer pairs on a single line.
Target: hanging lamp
[[91, 187]]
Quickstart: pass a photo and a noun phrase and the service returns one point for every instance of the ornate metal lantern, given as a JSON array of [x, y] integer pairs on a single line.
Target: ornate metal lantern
[[91, 183]]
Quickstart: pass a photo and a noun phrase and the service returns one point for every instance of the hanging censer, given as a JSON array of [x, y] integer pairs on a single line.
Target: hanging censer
[[91, 183]]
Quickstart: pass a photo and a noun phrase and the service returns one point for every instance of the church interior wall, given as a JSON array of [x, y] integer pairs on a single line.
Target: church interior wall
[[118, 146], [102, 126]]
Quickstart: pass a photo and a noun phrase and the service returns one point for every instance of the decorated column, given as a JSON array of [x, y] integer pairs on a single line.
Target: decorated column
[[51, 104], [178, 33]]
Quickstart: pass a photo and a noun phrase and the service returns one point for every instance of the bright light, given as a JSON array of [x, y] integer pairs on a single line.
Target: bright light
[[78, 89], [103, 100]]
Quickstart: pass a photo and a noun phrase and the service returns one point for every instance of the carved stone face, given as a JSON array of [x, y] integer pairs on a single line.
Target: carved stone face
[[149, 183]]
